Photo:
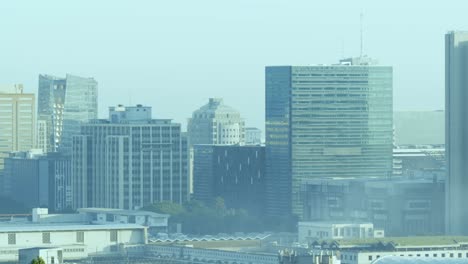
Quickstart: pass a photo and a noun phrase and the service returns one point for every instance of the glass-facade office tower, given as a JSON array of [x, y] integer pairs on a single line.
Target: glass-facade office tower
[[456, 135], [325, 121], [17, 123], [129, 161], [63, 105]]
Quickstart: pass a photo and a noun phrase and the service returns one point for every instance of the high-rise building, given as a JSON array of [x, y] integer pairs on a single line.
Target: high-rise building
[[456, 135], [35, 179], [234, 173], [129, 161], [325, 121], [63, 105], [216, 123], [17, 122]]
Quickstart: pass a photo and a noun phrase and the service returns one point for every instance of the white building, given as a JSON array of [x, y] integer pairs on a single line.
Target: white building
[[253, 136], [129, 161], [425, 249], [310, 231], [216, 123], [77, 240], [49, 255], [144, 218]]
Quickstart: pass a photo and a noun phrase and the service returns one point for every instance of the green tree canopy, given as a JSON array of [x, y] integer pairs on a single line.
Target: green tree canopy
[[38, 260]]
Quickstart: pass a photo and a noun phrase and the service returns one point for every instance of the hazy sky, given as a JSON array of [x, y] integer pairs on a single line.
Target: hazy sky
[[174, 55]]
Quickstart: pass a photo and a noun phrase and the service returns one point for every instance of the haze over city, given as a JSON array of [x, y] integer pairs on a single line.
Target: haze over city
[[233, 132], [174, 55]]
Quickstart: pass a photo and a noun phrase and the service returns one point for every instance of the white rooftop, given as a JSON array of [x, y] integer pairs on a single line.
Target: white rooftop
[[31, 227]]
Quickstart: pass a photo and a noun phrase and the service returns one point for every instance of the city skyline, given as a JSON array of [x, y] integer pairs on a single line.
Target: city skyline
[[161, 54]]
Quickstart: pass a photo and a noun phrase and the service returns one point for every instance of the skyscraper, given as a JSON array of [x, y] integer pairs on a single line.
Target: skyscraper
[[456, 135], [325, 121], [17, 122], [63, 105], [216, 123], [129, 161]]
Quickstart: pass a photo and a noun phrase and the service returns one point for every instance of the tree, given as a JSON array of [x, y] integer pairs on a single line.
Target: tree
[[38, 260]]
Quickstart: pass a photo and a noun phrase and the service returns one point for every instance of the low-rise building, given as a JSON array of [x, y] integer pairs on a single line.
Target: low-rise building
[[401, 206], [310, 231], [90, 231], [48, 254], [369, 251]]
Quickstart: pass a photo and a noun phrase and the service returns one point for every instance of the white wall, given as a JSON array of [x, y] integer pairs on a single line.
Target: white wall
[[94, 241]]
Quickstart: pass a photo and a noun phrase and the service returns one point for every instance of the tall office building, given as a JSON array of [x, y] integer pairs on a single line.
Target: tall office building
[[456, 135], [325, 121], [17, 122], [129, 161], [216, 123], [63, 105]]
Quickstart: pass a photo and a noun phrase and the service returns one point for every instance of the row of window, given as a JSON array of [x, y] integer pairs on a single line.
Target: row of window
[[46, 237]]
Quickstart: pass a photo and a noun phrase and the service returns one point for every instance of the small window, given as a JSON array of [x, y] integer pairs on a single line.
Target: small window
[[443, 255], [12, 239], [46, 238], [451, 255], [113, 236], [80, 237], [370, 257], [459, 255], [434, 255]]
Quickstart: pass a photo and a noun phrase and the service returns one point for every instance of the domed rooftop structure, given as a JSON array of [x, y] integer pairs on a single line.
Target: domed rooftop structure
[[216, 123]]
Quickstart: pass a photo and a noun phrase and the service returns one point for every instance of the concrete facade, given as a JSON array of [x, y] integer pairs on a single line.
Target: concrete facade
[[17, 122], [129, 161]]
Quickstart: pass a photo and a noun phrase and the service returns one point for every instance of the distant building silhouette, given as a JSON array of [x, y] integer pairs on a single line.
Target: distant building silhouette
[[63, 104], [456, 136], [129, 161], [325, 121], [418, 128]]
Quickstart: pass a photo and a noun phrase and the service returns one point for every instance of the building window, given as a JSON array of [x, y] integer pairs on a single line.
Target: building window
[[109, 218], [459, 255], [113, 236], [370, 258], [46, 238], [11, 239], [80, 237], [451, 255]]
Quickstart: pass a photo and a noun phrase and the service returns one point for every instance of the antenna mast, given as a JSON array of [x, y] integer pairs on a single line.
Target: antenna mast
[[362, 41]]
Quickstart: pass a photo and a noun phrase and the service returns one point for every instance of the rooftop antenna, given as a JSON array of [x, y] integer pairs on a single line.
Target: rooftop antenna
[[362, 41]]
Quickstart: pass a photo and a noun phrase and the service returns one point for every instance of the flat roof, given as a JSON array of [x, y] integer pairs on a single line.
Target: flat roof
[[404, 242], [31, 227], [120, 211]]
